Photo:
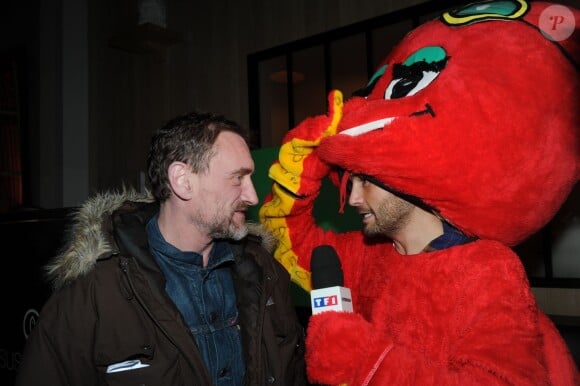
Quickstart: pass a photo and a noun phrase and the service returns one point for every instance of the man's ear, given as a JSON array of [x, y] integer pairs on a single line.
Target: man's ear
[[179, 175]]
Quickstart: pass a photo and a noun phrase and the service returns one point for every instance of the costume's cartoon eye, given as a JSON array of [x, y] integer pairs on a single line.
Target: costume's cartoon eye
[[416, 73]]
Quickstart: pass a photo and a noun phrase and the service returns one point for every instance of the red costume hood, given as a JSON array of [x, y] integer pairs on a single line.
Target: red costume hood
[[476, 114]]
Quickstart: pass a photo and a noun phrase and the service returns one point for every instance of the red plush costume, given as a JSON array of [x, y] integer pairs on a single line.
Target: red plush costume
[[476, 116]]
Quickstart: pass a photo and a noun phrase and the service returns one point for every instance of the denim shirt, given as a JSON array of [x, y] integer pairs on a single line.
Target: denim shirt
[[206, 298], [451, 236]]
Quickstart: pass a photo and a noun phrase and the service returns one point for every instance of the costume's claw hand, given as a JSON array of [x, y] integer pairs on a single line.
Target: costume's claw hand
[[342, 347], [298, 175], [311, 131], [299, 170]]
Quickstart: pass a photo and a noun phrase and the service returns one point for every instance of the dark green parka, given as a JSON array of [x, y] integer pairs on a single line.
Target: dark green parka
[[110, 306]]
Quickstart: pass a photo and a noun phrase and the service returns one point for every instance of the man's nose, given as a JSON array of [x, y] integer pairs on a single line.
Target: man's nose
[[249, 194], [354, 198]]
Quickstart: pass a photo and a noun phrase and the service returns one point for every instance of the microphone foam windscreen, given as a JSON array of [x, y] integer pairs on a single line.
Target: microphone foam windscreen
[[325, 268]]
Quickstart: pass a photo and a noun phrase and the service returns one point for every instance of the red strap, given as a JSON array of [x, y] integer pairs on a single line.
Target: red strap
[[343, 192]]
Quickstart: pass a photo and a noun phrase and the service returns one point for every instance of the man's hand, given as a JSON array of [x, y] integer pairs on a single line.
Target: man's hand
[[344, 348]]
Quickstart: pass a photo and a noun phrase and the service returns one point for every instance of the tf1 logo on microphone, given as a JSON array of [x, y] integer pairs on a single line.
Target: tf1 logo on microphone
[[331, 299], [325, 301]]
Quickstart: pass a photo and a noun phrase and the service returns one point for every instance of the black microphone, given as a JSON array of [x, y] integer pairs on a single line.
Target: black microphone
[[325, 268], [328, 291]]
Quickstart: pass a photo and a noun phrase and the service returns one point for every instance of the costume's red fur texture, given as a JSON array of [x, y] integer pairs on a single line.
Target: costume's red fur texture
[[496, 153]]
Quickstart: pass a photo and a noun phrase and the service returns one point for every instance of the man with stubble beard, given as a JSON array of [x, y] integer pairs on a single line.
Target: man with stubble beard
[[172, 287]]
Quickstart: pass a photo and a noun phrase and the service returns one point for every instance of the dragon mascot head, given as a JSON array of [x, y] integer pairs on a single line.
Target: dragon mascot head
[[474, 115]]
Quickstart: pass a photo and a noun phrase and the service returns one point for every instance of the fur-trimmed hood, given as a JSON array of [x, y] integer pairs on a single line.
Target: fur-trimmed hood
[[88, 236]]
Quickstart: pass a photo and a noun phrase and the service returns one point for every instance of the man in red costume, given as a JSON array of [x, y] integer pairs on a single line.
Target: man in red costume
[[471, 123]]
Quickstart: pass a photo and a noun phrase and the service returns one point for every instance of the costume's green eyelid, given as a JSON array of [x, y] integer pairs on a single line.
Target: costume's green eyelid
[[428, 54]]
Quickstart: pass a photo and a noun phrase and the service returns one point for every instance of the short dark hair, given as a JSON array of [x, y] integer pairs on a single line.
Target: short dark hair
[[187, 138]]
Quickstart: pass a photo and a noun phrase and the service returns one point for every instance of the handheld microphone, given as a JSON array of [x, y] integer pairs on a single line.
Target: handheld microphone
[[328, 293]]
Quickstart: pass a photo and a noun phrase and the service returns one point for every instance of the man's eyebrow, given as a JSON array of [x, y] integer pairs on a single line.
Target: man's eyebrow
[[242, 171]]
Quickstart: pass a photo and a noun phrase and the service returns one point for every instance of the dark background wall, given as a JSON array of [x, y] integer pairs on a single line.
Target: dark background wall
[[95, 86]]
